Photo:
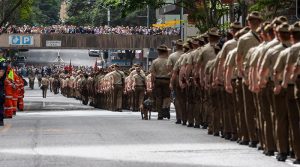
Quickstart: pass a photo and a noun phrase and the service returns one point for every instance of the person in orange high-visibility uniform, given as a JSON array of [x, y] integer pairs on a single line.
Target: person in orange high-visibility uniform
[[9, 87], [16, 92], [21, 94]]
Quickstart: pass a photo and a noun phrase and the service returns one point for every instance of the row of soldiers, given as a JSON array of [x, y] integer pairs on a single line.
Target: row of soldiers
[[247, 90], [11, 90], [109, 89]]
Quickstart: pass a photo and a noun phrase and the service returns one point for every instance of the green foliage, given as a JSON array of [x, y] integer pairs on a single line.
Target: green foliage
[[205, 16], [33, 12], [94, 13], [270, 8]]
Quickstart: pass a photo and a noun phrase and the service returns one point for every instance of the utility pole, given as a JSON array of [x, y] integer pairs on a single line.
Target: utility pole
[[108, 16], [148, 16], [181, 21]]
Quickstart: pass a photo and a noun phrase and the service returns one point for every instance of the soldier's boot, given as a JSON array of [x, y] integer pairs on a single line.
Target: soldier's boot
[[178, 121], [166, 113], [145, 114], [1, 119]]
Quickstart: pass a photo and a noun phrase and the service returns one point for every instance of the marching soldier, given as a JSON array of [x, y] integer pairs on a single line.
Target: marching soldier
[[84, 89], [139, 85], [117, 82], [31, 79], [245, 43], [45, 85], [171, 63], [291, 81], [229, 120], [161, 80], [232, 86], [267, 84]]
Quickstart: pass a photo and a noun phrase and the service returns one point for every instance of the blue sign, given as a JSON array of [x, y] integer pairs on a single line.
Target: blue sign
[[26, 40], [20, 40], [15, 40]]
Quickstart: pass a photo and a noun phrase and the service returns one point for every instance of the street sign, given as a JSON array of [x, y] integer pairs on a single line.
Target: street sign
[[20, 40], [53, 43]]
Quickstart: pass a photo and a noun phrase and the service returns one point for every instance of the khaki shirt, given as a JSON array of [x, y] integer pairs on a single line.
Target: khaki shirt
[[159, 67], [266, 47], [192, 56], [281, 61], [209, 66], [206, 54], [117, 77], [247, 41], [139, 79], [230, 62], [260, 49], [45, 82], [172, 59], [231, 58], [293, 54], [272, 55], [228, 46], [246, 63], [178, 62]]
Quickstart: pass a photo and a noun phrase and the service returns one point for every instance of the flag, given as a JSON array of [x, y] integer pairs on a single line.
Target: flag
[[70, 67], [96, 65]]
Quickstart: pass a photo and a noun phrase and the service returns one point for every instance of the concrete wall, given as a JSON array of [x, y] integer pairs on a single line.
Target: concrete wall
[[89, 41]]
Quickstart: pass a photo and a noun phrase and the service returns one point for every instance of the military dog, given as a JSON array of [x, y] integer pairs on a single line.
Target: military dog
[[146, 108]]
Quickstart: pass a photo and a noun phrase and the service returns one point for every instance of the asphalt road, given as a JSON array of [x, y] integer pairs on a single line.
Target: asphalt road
[[72, 135], [77, 56]]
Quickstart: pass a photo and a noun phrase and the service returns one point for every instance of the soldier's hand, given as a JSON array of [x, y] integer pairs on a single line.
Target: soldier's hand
[[171, 86], [277, 89], [229, 88]]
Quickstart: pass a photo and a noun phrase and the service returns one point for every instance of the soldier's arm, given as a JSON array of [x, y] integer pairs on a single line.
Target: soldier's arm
[[228, 76]]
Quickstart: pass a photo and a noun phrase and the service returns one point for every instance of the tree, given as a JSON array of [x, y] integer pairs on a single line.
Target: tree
[[31, 12], [204, 13], [93, 13]]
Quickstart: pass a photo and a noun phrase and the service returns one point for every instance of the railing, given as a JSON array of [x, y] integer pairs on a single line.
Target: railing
[[86, 41]]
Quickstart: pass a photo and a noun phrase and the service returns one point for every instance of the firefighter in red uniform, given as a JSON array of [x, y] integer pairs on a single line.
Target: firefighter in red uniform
[[9, 87], [16, 92], [21, 93]]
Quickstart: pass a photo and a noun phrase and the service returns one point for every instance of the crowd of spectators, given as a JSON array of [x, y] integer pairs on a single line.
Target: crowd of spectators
[[69, 29]]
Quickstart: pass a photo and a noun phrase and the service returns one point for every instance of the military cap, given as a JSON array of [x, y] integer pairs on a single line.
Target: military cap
[[195, 41], [163, 48], [283, 28], [186, 45], [236, 25], [259, 29], [278, 21], [200, 38], [295, 27], [264, 24], [179, 42], [254, 15], [131, 69], [213, 32], [205, 35], [136, 65], [115, 65], [268, 28]]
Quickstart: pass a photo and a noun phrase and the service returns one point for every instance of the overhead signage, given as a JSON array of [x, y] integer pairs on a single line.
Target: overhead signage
[[53, 43], [21, 40]]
